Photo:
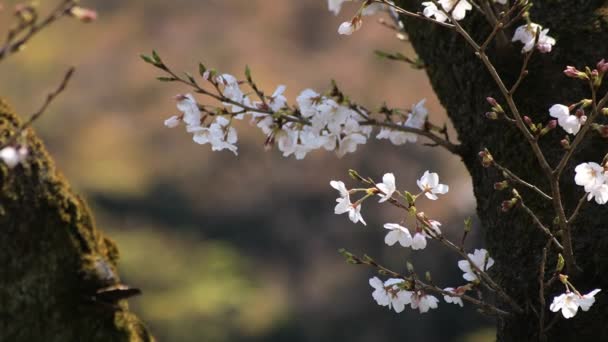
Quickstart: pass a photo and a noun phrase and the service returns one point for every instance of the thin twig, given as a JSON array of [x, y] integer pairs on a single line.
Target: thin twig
[[581, 201], [49, 99], [512, 176], [540, 225]]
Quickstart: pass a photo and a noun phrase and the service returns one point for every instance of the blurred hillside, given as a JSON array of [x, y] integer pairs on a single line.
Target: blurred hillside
[[240, 248]]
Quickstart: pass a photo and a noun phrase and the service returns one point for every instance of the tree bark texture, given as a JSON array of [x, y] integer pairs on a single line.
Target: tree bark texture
[[462, 84], [54, 261]]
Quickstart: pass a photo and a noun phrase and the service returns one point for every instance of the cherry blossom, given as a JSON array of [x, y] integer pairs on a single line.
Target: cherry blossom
[[173, 121], [387, 187], [527, 35], [423, 302], [570, 123], [398, 233], [589, 175], [335, 5], [569, 303], [452, 299], [350, 27], [419, 241], [187, 104], [399, 298], [481, 260], [12, 156], [344, 205], [457, 8], [600, 193], [429, 184]]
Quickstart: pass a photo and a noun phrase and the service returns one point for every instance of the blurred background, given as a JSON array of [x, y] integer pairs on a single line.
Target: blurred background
[[240, 248]]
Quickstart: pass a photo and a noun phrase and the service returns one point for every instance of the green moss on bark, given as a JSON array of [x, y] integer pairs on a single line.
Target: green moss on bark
[[53, 258]]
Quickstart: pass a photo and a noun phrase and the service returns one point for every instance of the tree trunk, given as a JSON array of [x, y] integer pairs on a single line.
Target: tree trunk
[[58, 279], [462, 85]]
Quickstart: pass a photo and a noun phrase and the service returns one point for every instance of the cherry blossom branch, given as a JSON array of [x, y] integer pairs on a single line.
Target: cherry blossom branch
[[580, 204], [513, 177], [30, 27], [412, 14], [49, 99], [486, 307], [540, 225], [451, 147]]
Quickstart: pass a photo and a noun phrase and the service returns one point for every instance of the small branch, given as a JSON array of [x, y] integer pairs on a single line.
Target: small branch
[[430, 288], [414, 15], [522, 73], [541, 295], [49, 99], [512, 176], [540, 225], [453, 148], [12, 46], [581, 201]]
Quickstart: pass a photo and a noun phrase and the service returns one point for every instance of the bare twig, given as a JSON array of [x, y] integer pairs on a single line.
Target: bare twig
[[540, 225], [512, 176], [49, 99], [13, 45]]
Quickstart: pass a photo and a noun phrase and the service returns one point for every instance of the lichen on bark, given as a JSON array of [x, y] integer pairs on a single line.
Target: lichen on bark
[[53, 258]]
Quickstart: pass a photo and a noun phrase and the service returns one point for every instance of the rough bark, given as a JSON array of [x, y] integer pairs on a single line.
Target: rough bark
[[53, 258], [462, 84]]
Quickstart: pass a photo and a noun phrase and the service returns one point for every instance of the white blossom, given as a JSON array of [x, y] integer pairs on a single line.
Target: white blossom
[[457, 7], [452, 299], [344, 205], [349, 27], [429, 184], [335, 5], [380, 295], [431, 10], [423, 302], [173, 121], [600, 193], [479, 260], [307, 101], [569, 303], [387, 187], [278, 100], [12, 156], [187, 105], [398, 233], [570, 123], [219, 134], [527, 35], [417, 117], [399, 298], [589, 175], [419, 241]]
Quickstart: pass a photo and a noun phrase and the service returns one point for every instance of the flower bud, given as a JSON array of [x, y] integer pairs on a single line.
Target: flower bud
[[565, 144], [492, 101], [575, 73], [492, 115], [501, 185], [508, 205], [550, 126], [83, 14], [486, 158], [602, 66]]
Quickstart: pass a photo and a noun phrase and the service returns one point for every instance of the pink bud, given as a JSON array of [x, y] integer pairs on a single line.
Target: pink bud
[[571, 72], [83, 14], [491, 101], [527, 120], [552, 124], [602, 66]]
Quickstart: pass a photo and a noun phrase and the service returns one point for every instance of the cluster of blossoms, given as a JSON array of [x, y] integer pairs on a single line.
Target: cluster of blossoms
[[530, 35], [391, 293], [13, 156], [317, 122], [594, 179], [428, 184], [396, 293]]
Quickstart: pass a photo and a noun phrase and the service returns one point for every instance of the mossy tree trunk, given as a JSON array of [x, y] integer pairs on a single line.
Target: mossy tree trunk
[[462, 84], [54, 260]]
